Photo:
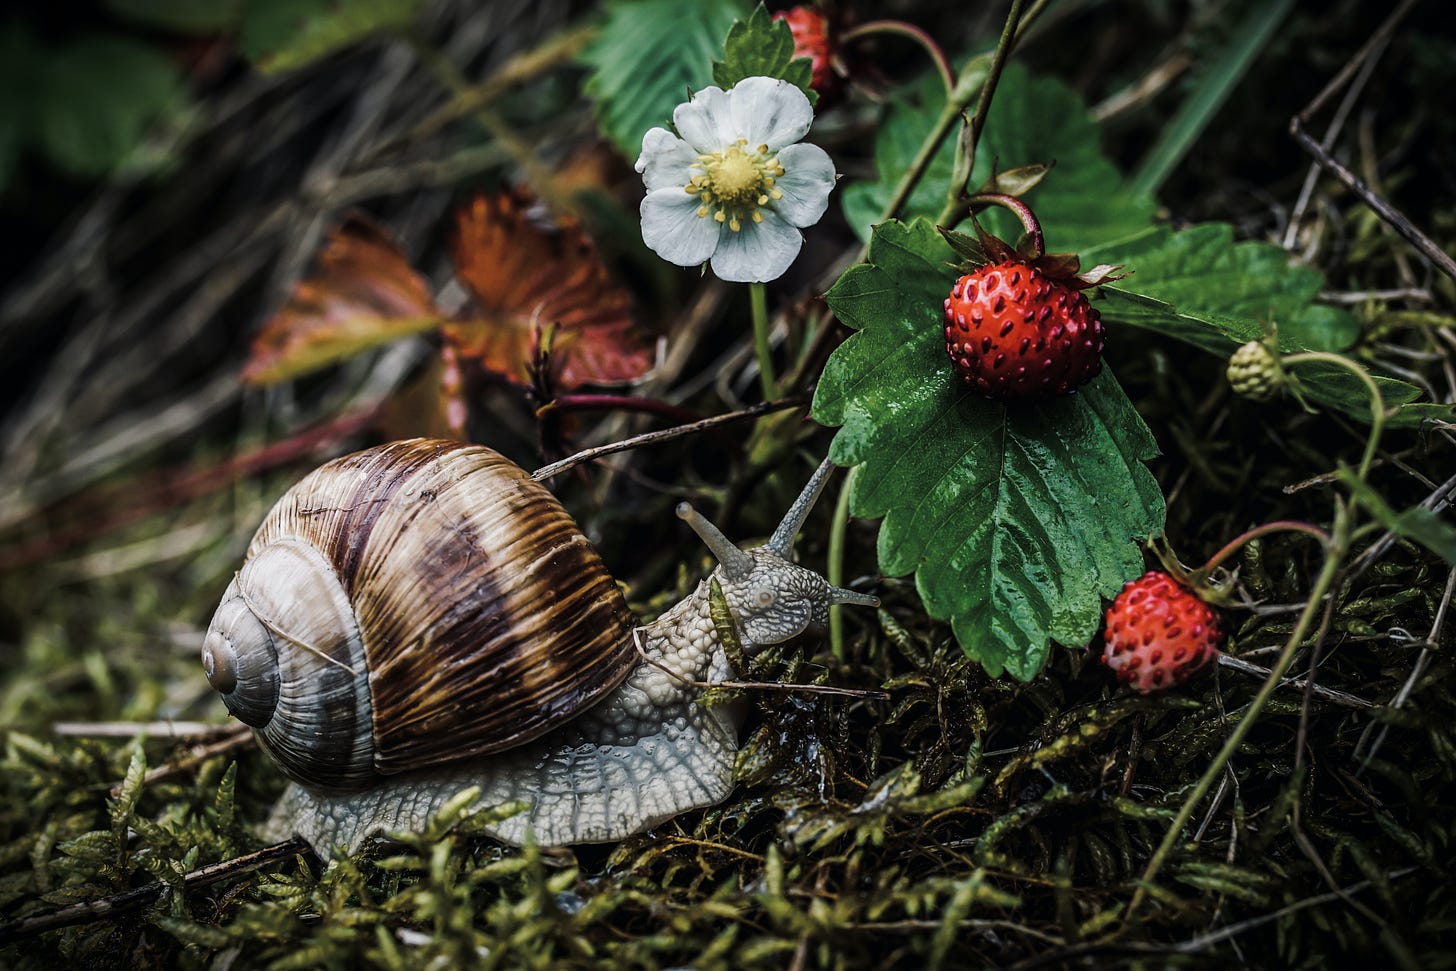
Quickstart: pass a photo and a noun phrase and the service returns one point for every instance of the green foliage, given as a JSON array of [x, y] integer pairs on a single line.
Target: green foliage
[[87, 104], [280, 35], [1082, 201], [1417, 524], [1014, 519], [648, 57], [762, 47], [1215, 83], [1199, 286]]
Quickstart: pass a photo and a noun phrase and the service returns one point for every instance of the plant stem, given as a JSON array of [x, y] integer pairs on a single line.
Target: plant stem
[[758, 295], [1333, 557], [1022, 212], [1377, 400], [834, 572], [1283, 525], [971, 134], [617, 402], [942, 64]]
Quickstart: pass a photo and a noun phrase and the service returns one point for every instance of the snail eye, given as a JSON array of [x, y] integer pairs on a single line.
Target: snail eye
[[764, 597]]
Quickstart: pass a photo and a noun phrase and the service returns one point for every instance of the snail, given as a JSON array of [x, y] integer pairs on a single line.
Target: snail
[[423, 617]]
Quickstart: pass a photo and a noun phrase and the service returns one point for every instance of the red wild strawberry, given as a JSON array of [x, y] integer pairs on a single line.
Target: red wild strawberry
[[1159, 634], [813, 39], [1014, 333]]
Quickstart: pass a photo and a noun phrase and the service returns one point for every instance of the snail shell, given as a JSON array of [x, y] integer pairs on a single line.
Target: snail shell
[[410, 605]]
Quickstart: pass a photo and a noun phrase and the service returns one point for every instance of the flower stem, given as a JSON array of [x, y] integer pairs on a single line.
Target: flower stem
[[1020, 209], [1377, 400], [971, 134], [759, 298], [942, 64], [834, 572], [1283, 525]]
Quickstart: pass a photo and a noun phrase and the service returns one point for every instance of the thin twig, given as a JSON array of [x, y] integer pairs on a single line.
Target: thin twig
[[129, 901], [1328, 694], [666, 435], [864, 694]]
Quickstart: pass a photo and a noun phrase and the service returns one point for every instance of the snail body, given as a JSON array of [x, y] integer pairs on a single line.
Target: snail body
[[422, 617]]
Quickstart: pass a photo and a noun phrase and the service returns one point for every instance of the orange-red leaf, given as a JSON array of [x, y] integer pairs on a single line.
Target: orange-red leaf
[[363, 293], [526, 275]]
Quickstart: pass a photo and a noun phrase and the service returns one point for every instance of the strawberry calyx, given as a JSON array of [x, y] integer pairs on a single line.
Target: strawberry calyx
[[984, 248]]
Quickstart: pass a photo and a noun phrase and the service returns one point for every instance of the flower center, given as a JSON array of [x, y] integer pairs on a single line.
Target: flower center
[[735, 184]]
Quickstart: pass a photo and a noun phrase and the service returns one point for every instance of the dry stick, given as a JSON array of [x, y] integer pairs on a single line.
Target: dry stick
[[1306, 191], [128, 901], [1393, 216], [236, 738], [1202, 943], [864, 694], [1321, 155], [666, 435], [1328, 694], [1418, 669], [157, 729]]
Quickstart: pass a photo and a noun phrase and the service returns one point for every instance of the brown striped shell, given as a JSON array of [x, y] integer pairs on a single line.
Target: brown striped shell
[[413, 604]]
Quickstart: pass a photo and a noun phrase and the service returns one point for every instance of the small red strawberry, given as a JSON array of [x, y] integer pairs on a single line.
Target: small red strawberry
[[1013, 332], [1017, 326], [1159, 634], [814, 39]]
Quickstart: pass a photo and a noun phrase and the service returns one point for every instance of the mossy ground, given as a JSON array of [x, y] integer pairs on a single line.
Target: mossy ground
[[964, 822]]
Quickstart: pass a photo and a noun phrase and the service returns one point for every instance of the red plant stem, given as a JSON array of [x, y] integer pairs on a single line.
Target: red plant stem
[[617, 402], [942, 63], [1281, 526], [1020, 209]]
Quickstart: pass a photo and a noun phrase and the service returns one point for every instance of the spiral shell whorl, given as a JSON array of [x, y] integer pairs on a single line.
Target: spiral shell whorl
[[427, 603]]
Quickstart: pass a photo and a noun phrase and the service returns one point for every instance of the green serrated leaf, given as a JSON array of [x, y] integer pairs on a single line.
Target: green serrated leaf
[[763, 47], [99, 96], [648, 57], [1014, 520], [1033, 120], [280, 35], [1199, 286], [1417, 524]]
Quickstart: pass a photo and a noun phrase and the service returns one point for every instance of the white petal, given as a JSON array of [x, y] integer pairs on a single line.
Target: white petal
[[808, 177], [673, 229], [770, 112], [757, 253], [706, 122], [665, 160]]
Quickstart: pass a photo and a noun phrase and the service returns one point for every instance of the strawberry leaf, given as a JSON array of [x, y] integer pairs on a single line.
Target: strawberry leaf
[[763, 47], [1199, 286], [1016, 520], [363, 293], [1417, 524], [648, 57], [1033, 120], [527, 277]]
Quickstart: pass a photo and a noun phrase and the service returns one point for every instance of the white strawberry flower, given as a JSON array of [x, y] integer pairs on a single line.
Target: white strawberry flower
[[736, 187]]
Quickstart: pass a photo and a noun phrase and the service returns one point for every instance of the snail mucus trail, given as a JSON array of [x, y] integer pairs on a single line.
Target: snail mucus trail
[[422, 617]]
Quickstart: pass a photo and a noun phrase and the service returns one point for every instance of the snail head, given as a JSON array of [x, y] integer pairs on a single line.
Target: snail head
[[773, 598]]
